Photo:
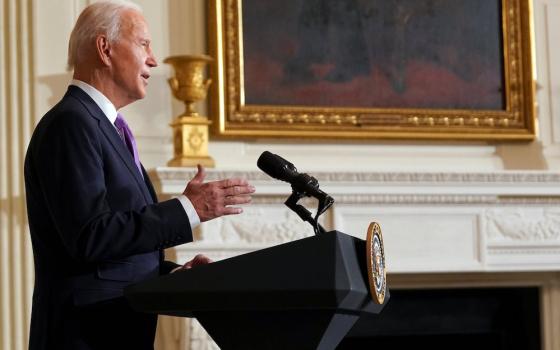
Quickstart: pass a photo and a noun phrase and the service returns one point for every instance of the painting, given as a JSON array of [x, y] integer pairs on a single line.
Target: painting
[[372, 69]]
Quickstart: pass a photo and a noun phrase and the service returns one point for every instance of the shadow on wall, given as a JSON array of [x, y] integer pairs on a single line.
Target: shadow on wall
[[57, 84], [522, 156], [187, 36], [10, 209]]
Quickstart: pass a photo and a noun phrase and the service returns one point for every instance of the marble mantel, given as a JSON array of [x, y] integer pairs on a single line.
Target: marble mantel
[[432, 222]]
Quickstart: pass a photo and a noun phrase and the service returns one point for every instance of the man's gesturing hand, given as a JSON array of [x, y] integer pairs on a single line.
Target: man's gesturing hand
[[213, 199]]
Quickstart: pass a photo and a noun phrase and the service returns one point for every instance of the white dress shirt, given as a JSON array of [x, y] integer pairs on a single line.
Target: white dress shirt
[[111, 113]]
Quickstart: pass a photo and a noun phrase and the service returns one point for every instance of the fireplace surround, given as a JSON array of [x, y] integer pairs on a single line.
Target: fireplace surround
[[444, 232], [481, 318]]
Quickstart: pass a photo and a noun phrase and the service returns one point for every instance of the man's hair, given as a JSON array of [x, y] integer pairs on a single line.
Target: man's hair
[[102, 17]]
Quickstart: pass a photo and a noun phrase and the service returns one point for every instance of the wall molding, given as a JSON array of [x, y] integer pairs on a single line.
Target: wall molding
[[486, 178]]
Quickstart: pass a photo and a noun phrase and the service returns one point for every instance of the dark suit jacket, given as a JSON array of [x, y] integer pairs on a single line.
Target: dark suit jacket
[[96, 227]]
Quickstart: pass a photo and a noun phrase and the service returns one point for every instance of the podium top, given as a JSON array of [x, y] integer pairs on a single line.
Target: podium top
[[327, 271]]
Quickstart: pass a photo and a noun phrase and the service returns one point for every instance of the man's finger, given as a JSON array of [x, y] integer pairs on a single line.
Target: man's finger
[[199, 259], [232, 211], [239, 190], [200, 175], [202, 259], [232, 182], [234, 200]]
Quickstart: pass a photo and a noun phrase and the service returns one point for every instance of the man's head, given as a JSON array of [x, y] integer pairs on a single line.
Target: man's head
[[110, 49]]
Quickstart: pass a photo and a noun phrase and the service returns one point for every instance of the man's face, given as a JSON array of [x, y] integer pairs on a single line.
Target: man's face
[[132, 58]]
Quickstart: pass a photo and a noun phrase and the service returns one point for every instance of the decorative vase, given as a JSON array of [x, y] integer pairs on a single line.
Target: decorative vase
[[190, 130]]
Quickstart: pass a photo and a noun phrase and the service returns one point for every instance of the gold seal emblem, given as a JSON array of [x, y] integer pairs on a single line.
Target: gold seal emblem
[[376, 263]]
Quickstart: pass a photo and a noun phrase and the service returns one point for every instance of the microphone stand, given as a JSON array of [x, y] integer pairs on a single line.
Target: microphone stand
[[305, 214]]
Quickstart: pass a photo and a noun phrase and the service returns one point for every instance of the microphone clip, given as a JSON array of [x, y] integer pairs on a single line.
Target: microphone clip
[[307, 186]]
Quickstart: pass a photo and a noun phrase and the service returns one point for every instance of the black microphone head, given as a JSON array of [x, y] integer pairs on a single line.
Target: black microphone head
[[276, 166]]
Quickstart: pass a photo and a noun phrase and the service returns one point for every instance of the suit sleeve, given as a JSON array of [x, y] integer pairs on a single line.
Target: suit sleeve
[[70, 166]]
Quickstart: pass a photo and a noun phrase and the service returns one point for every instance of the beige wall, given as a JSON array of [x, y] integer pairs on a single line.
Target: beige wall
[[178, 26], [33, 77]]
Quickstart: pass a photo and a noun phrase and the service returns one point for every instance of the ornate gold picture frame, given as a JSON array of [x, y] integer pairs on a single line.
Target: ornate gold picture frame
[[430, 69]]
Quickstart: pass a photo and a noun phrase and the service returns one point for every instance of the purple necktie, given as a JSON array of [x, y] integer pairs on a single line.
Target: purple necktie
[[126, 135]]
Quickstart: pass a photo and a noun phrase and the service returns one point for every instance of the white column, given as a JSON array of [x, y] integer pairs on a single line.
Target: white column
[[16, 123], [547, 34]]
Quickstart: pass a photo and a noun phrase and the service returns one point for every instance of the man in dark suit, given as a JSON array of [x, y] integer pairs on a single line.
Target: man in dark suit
[[95, 223]]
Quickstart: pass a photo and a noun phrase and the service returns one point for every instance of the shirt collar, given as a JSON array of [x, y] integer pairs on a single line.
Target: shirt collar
[[101, 100]]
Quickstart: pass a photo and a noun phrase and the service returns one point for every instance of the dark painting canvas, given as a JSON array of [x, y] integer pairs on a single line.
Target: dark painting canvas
[[434, 54]]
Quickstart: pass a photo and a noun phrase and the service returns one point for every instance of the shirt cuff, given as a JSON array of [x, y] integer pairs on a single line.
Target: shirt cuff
[[176, 269], [189, 209]]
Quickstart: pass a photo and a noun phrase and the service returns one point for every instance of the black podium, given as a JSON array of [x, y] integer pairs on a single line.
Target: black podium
[[305, 294]]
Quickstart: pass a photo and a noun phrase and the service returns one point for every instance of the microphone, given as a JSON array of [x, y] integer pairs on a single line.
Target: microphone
[[302, 185], [279, 168]]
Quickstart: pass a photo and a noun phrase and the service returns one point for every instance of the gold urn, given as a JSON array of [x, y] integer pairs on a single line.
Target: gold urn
[[190, 130]]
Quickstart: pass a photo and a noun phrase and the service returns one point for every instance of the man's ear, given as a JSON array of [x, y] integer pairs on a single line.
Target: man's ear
[[103, 49]]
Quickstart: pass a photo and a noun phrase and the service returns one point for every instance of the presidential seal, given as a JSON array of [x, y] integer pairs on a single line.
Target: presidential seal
[[376, 263]]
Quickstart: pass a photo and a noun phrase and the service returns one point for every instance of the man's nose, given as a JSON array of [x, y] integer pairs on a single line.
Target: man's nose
[[151, 61]]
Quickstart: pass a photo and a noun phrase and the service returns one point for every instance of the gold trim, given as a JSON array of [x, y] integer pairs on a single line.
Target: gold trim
[[473, 279], [236, 119], [373, 231]]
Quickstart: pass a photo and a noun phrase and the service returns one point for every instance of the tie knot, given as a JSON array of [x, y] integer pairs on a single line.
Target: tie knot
[[120, 122]]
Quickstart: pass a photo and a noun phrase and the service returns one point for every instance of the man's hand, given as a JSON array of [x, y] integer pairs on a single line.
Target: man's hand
[[213, 199], [199, 259]]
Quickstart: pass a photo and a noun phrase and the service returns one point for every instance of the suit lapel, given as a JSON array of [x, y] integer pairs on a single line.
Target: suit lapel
[[111, 133], [113, 136], [149, 185]]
